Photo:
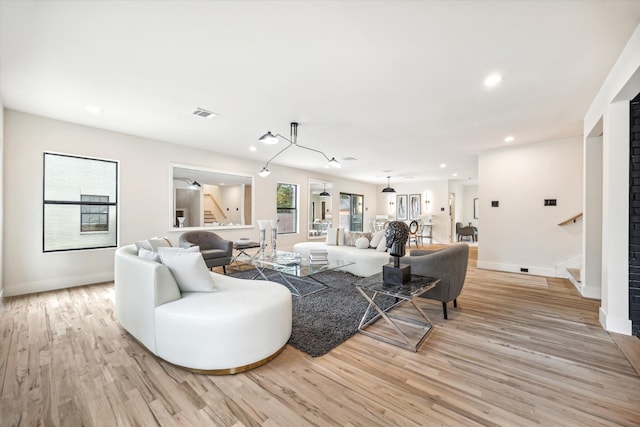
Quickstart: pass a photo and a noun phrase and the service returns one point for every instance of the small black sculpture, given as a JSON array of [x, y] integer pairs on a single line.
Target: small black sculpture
[[396, 234]]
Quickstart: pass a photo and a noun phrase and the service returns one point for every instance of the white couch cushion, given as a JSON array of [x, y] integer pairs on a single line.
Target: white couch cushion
[[362, 243], [375, 240], [188, 268], [335, 236]]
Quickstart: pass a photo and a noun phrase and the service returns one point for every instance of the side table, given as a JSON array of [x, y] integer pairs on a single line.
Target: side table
[[371, 287], [241, 249]]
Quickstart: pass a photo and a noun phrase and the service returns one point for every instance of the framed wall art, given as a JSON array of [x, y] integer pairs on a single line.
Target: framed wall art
[[414, 206], [402, 212]]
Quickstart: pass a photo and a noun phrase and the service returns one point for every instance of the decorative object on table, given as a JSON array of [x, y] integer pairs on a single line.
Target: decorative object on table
[[274, 235], [180, 221], [396, 235], [262, 226], [269, 138], [242, 241], [318, 256]]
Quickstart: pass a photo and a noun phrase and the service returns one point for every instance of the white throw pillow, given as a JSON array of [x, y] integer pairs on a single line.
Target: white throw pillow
[[362, 243], [335, 236], [146, 253], [188, 268], [143, 244], [159, 242], [382, 246], [375, 240]]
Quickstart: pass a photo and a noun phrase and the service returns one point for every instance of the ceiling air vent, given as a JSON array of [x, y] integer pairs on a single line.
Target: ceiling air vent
[[201, 112]]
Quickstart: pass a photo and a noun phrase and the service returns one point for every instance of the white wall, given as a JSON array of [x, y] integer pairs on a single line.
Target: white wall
[[433, 192], [470, 193], [1, 196], [609, 109], [522, 232], [145, 197]]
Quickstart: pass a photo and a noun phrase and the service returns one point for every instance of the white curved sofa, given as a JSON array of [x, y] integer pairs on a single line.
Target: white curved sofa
[[367, 261], [242, 325]]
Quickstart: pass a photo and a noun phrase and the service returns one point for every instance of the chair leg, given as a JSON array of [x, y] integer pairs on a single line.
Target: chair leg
[[455, 302], [444, 309], [224, 269]]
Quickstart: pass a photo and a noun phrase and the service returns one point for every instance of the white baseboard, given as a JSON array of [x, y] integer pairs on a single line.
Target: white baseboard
[[512, 268], [613, 324], [56, 283]]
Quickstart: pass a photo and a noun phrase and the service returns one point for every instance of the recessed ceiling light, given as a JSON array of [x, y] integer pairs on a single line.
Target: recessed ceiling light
[[93, 109], [492, 80], [252, 148], [442, 165], [455, 174], [509, 139]]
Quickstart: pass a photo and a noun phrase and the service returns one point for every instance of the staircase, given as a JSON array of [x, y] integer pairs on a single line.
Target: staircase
[[209, 217]]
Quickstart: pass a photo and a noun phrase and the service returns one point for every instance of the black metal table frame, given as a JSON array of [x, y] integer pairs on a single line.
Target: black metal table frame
[[405, 342]]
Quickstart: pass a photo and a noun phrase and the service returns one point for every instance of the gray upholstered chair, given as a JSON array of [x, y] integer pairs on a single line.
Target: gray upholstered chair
[[465, 232], [215, 250], [448, 264]]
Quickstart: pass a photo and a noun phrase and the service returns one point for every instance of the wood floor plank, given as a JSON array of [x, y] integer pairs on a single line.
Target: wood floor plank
[[519, 350]]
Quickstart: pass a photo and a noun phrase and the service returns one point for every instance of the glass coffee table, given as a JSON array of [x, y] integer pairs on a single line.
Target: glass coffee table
[[373, 287], [290, 264]]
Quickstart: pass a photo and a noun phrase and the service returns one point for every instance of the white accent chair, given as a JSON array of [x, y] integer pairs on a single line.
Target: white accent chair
[[242, 325]]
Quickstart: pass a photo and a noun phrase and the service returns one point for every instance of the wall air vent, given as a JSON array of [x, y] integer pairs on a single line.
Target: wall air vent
[[201, 112]]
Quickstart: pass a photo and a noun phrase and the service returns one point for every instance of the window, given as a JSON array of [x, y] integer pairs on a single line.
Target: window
[[351, 211], [80, 203], [94, 216], [287, 201]]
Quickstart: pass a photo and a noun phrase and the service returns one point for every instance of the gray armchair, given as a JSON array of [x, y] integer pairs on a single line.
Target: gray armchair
[[449, 265], [215, 250]]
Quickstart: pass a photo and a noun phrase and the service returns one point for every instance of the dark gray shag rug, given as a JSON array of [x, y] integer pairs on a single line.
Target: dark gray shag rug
[[325, 319]]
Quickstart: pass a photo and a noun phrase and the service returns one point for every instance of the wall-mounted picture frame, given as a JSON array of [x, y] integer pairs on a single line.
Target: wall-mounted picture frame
[[414, 206], [475, 208], [402, 212]]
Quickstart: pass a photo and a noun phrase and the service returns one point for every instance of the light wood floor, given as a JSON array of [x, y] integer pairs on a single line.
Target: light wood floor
[[519, 350]]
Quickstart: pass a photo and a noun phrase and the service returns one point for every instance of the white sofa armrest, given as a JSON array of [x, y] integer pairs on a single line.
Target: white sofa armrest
[[140, 286]]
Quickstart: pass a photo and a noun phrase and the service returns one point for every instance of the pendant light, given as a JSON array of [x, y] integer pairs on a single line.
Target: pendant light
[[324, 192], [388, 188]]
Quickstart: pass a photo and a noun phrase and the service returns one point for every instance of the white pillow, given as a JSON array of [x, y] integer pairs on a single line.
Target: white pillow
[[143, 244], [382, 246], [362, 243], [146, 253], [375, 240], [332, 236], [159, 242], [188, 268]]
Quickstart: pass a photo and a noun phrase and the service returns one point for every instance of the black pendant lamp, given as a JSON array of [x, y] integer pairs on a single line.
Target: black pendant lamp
[[388, 188], [324, 192]]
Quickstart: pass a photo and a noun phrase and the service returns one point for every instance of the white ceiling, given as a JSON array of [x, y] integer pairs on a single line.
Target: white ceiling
[[398, 85]]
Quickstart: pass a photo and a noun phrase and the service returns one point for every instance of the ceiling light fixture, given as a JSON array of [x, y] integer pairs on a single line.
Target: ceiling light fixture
[[193, 184], [492, 80], [269, 138], [509, 139], [388, 188], [442, 165], [324, 192]]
